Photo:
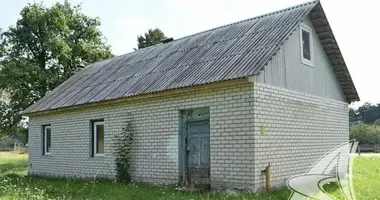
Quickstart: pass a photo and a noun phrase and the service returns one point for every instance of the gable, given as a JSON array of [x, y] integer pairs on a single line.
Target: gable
[[287, 70]]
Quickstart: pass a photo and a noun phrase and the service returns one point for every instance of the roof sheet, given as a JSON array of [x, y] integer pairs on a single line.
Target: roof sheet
[[232, 51]]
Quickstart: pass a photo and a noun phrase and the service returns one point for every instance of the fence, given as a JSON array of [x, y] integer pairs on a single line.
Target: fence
[[368, 148], [11, 146]]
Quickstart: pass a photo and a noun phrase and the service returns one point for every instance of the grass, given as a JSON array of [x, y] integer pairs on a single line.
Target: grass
[[366, 177], [14, 184]]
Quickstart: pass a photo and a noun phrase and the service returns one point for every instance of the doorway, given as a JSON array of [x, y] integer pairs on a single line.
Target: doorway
[[195, 155]]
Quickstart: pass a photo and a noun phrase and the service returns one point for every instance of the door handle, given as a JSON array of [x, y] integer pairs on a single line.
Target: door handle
[[187, 145]]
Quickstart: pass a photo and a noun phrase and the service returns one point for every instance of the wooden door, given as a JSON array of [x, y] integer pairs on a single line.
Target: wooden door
[[198, 159]]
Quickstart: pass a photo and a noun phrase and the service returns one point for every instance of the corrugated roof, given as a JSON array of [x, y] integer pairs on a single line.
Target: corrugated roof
[[232, 51]]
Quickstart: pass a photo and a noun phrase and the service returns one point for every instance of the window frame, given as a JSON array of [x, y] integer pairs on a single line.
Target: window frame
[[44, 134], [304, 27], [95, 137]]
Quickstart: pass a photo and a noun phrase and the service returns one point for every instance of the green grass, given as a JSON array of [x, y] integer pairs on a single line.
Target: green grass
[[366, 178], [14, 184]]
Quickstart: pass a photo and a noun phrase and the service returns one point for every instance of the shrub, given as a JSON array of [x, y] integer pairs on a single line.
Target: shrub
[[123, 146], [366, 134]]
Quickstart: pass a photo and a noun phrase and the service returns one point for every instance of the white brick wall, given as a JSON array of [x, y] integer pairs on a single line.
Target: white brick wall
[[298, 129], [156, 123]]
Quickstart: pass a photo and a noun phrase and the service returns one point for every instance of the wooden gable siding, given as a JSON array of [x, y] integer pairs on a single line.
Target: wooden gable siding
[[286, 69]]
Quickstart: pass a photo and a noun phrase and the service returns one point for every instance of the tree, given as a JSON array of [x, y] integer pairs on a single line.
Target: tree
[[367, 113], [43, 49], [150, 38], [366, 134], [353, 115]]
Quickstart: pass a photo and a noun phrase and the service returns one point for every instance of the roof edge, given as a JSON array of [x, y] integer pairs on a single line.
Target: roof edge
[[216, 84], [326, 36]]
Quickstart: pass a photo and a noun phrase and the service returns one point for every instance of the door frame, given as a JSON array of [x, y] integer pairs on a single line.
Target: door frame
[[188, 115]]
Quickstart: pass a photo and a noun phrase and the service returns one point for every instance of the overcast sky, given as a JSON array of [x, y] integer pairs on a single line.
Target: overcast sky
[[354, 23]]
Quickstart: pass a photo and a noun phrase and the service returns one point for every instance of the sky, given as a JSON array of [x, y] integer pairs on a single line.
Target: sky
[[353, 23]]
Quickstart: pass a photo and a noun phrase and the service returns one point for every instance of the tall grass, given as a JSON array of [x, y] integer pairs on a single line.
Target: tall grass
[[14, 184]]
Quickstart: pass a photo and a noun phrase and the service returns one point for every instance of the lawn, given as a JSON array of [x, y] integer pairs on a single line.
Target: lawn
[[366, 176], [14, 184]]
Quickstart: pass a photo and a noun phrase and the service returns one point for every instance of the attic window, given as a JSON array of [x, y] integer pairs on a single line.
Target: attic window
[[306, 45]]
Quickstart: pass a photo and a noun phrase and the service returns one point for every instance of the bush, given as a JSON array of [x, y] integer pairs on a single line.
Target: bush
[[366, 134], [123, 146]]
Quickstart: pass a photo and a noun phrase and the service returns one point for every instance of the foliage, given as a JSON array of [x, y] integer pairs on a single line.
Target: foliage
[[150, 38], [9, 118], [43, 49], [123, 147], [366, 113], [366, 134], [377, 122]]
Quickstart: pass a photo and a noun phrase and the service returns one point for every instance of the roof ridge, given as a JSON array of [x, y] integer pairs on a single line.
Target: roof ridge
[[203, 45], [241, 21], [256, 17]]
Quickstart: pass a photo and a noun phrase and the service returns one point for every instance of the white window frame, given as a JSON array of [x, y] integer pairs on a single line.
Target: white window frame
[[309, 30], [45, 140], [95, 143]]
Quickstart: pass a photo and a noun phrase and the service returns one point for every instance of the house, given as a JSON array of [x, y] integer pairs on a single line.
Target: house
[[215, 107]]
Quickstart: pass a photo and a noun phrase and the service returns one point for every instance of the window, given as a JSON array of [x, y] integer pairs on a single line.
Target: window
[[46, 140], [306, 45], [98, 138]]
